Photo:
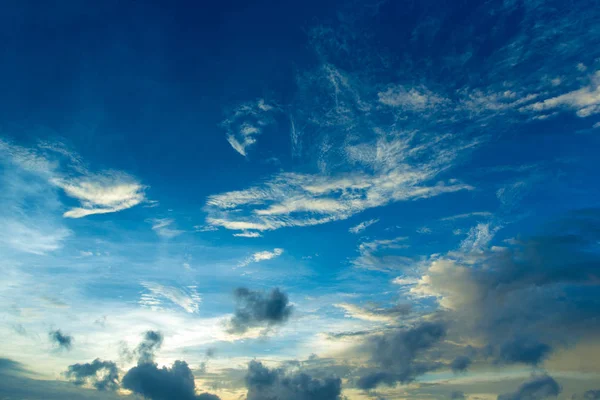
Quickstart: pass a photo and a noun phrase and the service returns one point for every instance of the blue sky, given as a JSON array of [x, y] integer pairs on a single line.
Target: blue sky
[[391, 199]]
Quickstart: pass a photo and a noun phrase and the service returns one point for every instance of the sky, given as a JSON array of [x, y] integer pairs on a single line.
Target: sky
[[318, 200]]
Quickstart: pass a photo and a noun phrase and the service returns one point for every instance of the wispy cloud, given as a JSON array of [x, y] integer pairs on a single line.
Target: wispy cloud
[[261, 256], [374, 313], [248, 234], [485, 214], [101, 193], [98, 193], [585, 101], [379, 254], [362, 226], [163, 228], [186, 298], [246, 122]]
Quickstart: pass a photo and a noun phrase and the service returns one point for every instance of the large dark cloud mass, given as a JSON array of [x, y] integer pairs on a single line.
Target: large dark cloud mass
[[61, 340], [395, 354], [259, 309], [525, 299], [103, 375], [275, 384], [538, 388]]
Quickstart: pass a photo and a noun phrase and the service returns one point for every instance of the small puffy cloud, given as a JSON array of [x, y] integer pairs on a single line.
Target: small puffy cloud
[[362, 226], [61, 340], [276, 384], [261, 256], [259, 309], [537, 388], [163, 227], [103, 375]]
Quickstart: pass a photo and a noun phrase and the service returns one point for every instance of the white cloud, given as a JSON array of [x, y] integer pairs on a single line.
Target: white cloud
[[485, 214], [186, 298], [246, 122], [373, 314], [162, 227], [414, 99], [248, 234], [261, 256], [362, 226], [585, 101], [31, 237], [478, 238], [101, 193], [378, 254]]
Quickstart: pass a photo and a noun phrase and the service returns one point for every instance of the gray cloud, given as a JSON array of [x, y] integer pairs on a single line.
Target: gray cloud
[[61, 340], [146, 378], [103, 375], [460, 364], [524, 350], [275, 384], [258, 309], [457, 395], [394, 354], [537, 388], [592, 395], [150, 344], [526, 298]]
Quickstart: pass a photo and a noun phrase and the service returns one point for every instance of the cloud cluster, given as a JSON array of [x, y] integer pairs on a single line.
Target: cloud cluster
[[276, 384], [145, 379], [259, 309]]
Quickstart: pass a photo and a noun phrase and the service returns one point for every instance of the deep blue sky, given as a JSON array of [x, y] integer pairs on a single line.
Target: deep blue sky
[[387, 165]]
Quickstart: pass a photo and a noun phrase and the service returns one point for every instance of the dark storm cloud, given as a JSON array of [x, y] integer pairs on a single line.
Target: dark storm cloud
[[537, 388], [259, 309], [164, 383], [103, 375], [275, 384], [394, 354], [460, 364], [61, 340]]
